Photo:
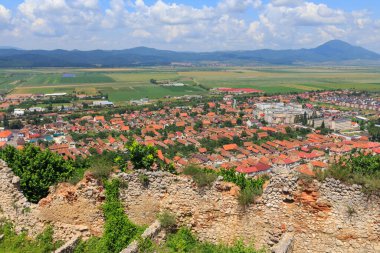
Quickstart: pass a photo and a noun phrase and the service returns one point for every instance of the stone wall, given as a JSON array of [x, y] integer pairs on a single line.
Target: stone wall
[[321, 217], [327, 217], [14, 206], [70, 210]]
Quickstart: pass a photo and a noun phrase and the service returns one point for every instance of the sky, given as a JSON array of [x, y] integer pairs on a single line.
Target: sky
[[188, 25]]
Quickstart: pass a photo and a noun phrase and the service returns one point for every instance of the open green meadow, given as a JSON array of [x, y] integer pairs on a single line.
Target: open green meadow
[[126, 84]]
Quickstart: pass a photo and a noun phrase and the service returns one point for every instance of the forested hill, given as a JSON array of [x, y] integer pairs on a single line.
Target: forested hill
[[332, 52]]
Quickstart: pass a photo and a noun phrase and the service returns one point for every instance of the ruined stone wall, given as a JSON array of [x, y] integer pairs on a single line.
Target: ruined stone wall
[[71, 210], [328, 217], [318, 217], [14, 206]]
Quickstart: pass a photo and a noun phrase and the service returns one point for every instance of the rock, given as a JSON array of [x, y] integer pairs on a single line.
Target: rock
[[285, 245], [15, 180], [69, 246]]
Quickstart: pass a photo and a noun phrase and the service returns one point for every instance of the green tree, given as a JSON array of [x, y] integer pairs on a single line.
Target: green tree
[[37, 169], [141, 156], [16, 124], [5, 121], [304, 119]]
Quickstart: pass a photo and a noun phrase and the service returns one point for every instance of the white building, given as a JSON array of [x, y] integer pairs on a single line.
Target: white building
[[280, 113], [19, 112], [36, 109], [102, 103], [341, 124]]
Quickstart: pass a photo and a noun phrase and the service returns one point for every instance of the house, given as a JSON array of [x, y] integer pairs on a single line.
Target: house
[[230, 147], [5, 135], [257, 169], [102, 103], [19, 112]]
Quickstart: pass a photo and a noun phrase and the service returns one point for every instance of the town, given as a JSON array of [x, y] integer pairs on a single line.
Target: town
[[241, 129]]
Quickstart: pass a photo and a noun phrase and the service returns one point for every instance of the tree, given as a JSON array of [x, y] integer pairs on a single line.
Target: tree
[[50, 106], [5, 121], [37, 169], [141, 156], [323, 125], [374, 131], [198, 125], [304, 119], [239, 121], [16, 124]]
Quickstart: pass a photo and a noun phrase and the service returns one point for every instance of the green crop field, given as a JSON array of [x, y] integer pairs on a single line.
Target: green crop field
[[134, 83]]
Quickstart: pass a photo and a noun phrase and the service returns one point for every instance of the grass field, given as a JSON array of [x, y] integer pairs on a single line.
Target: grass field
[[125, 84]]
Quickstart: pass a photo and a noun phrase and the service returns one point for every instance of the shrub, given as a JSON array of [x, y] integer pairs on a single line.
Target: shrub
[[37, 169], [141, 156], [167, 219], [100, 168], [182, 241], [185, 241], [146, 245], [202, 177], [249, 188], [246, 196], [358, 169], [144, 180], [119, 231], [92, 245], [21, 243], [351, 211]]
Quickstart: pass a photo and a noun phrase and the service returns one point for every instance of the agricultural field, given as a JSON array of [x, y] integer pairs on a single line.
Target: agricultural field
[[126, 84]]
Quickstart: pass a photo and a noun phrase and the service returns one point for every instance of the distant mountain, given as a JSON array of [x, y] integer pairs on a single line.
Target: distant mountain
[[332, 52], [7, 47]]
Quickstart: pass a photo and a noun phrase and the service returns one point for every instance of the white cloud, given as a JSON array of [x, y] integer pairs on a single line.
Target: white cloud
[[289, 3], [238, 5], [229, 24], [5, 16]]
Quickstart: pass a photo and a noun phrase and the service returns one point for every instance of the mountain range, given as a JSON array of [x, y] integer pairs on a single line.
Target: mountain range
[[332, 52]]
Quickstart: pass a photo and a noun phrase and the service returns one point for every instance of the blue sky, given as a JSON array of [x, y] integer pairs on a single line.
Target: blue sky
[[188, 25]]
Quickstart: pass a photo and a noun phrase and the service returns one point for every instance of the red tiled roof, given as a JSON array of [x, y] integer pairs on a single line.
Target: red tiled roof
[[229, 147], [5, 134]]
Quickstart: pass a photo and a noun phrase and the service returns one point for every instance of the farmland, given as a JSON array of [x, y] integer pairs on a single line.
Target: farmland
[[126, 84]]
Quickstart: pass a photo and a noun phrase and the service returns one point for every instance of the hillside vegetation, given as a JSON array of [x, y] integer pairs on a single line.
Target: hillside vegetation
[[359, 169]]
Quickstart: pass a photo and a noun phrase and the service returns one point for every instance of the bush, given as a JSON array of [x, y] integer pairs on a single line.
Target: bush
[[37, 169], [358, 169], [246, 197], [119, 231], [185, 241], [144, 180], [202, 177], [167, 219], [141, 156], [21, 243], [249, 188], [146, 245], [182, 241], [100, 168], [92, 245]]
